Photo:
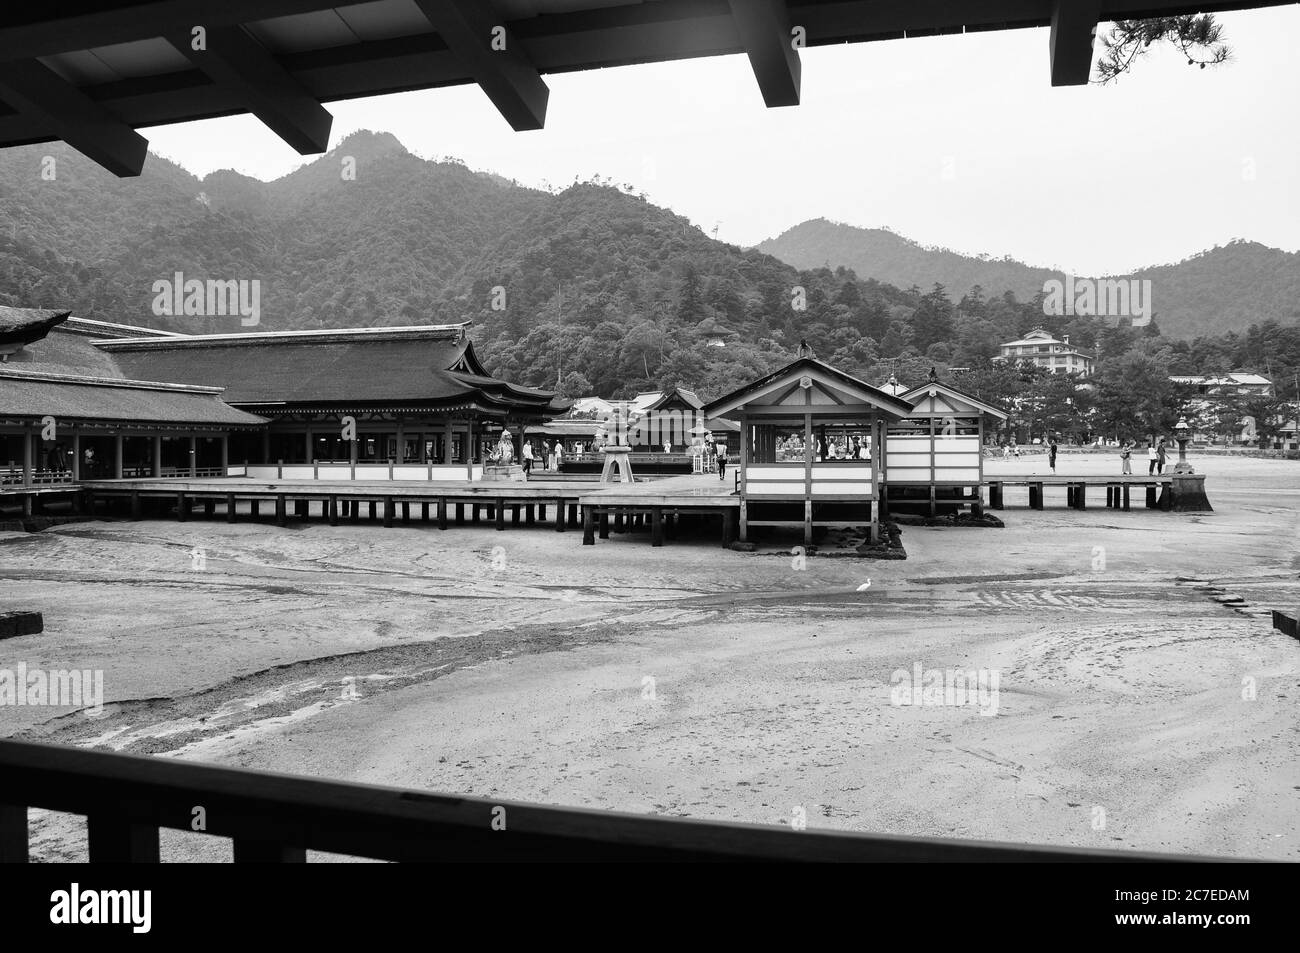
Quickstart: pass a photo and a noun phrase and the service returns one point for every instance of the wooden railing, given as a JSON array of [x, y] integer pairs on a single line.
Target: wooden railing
[[16, 476], [278, 817]]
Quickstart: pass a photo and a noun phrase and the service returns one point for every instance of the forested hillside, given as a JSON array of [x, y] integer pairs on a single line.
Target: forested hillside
[[1227, 288], [591, 289]]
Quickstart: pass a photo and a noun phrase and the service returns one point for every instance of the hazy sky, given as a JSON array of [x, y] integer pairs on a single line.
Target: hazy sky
[[957, 141]]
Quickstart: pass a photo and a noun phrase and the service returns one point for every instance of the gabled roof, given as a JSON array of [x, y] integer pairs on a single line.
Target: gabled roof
[[917, 394], [818, 371], [674, 394]]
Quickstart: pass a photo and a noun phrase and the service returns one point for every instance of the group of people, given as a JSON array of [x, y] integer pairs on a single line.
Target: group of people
[[551, 454], [1157, 455]]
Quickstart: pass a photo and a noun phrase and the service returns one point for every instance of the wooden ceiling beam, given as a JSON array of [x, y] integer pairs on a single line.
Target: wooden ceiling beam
[[765, 31], [1074, 27], [231, 58], [65, 112], [493, 56]]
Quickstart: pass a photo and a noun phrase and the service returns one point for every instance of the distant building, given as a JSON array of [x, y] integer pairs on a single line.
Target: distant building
[[1057, 357], [1228, 385], [587, 405]]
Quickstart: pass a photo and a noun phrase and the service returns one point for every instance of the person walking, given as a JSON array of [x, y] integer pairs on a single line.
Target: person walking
[[1126, 458], [1161, 453], [1051, 455], [1151, 457], [722, 459], [527, 457], [559, 454], [550, 455]]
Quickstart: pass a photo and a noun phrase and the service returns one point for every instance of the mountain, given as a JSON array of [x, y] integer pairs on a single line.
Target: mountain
[[588, 289], [1225, 288]]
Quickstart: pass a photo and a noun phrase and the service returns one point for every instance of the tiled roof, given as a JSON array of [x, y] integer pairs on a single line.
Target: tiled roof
[[23, 325], [33, 394], [352, 367]]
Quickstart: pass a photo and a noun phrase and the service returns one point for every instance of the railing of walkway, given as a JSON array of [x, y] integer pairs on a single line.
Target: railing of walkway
[[127, 799]]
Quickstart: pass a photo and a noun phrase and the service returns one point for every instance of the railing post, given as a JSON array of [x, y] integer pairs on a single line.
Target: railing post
[[251, 851], [13, 834], [115, 838]]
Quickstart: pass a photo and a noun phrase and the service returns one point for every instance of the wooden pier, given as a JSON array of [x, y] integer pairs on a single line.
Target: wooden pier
[[1158, 489], [660, 507]]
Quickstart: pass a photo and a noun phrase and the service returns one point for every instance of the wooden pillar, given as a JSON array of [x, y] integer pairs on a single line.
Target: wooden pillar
[[27, 456], [135, 504], [157, 455], [573, 515], [442, 512], [559, 516], [500, 515], [76, 457], [182, 508], [446, 440], [460, 514], [424, 512], [209, 508], [469, 451], [1151, 497], [729, 527], [230, 507], [225, 453], [656, 526], [13, 834], [279, 510], [389, 507], [117, 458], [194, 455], [254, 508], [514, 514], [604, 524], [374, 509], [332, 510], [1126, 499], [588, 526], [406, 511], [530, 512], [266, 445]]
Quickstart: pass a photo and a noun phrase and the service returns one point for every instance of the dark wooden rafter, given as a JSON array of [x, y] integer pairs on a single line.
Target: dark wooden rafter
[[767, 35], [1074, 28], [596, 37], [233, 59], [64, 112], [493, 56]]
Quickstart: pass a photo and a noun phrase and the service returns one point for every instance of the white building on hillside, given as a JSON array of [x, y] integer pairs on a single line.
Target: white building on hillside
[[1057, 357]]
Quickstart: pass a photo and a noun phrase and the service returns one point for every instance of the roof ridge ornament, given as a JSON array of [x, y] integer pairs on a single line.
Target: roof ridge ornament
[[805, 350]]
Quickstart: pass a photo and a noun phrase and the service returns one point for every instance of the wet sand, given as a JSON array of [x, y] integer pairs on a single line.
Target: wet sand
[[695, 681]]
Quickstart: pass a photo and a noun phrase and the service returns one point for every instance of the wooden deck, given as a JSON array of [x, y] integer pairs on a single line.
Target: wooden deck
[[659, 506]]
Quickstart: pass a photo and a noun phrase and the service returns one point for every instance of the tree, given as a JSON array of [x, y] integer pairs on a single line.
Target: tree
[[574, 385], [1198, 37], [1134, 396]]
